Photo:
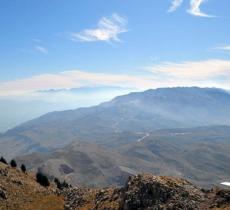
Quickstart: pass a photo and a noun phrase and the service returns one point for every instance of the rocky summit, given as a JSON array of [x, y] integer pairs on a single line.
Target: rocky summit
[[148, 192], [20, 191]]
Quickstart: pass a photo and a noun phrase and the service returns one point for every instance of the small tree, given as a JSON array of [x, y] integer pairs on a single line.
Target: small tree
[[42, 179], [13, 163], [58, 183], [23, 168], [3, 160], [65, 184], [61, 185]]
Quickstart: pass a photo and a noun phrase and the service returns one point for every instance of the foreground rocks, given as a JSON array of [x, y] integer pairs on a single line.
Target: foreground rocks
[[20, 191], [147, 192], [144, 192], [2, 193]]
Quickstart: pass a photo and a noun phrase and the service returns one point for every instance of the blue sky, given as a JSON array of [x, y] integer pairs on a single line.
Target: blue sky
[[153, 35], [123, 44]]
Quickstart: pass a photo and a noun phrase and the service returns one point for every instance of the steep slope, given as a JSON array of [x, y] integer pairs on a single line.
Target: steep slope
[[125, 116], [19, 191]]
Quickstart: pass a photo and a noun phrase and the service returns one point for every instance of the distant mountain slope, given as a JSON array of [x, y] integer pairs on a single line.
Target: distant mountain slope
[[19, 109], [87, 164], [125, 116], [201, 155]]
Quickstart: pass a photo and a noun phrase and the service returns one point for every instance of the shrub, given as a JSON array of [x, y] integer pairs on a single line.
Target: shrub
[[23, 168], [61, 185], [3, 160], [13, 163], [42, 179], [58, 183], [65, 184]]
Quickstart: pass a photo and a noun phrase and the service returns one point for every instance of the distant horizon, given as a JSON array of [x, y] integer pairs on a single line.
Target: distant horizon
[[167, 44], [110, 46], [65, 108]]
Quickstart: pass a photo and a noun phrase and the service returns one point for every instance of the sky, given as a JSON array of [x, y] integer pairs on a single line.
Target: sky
[[55, 51]]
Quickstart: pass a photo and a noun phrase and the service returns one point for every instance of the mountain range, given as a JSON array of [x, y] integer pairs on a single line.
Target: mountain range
[[171, 131], [200, 155]]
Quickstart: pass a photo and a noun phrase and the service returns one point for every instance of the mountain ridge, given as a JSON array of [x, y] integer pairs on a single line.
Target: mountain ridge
[[135, 128], [135, 113], [175, 152]]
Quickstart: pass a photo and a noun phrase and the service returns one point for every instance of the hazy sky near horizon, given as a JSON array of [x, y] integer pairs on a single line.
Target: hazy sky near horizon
[[128, 44]]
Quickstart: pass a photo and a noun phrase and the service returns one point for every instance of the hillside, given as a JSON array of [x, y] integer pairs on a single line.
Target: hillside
[[86, 165], [125, 117], [200, 155], [19, 191]]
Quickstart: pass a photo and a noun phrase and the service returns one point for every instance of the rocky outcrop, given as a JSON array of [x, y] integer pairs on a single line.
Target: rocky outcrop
[[74, 197], [20, 191], [2, 193], [144, 192], [221, 199], [148, 192]]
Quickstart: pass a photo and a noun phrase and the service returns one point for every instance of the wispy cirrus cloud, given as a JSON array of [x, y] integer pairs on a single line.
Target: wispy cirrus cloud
[[108, 29], [194, 71], [175, 4], [223, 47], [41, 49], [195, 8]]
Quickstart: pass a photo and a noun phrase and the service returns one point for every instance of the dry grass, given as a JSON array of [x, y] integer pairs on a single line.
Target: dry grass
[[46, 203], [24, 193]]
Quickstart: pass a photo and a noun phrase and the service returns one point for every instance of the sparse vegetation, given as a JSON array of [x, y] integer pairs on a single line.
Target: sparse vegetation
[[23, 168], [13, 163], [3, 160], [58, 183], [61, 185], [19, 191], [65, 184], [42, 179]]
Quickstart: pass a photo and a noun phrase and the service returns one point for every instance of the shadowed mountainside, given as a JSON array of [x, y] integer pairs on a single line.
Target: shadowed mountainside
[[125, 117], [200, 155]]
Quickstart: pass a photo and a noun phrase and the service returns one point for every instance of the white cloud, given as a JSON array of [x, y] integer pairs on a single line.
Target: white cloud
[[41, 49], [70, 79], [206, 73], [175, 4], [195, 8], [193, 70], [223, 47], [108, 29]]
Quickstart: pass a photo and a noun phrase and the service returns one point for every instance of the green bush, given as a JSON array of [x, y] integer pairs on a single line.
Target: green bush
[[3, 160], [58, 183], [23, 168], [42, 179], [61, 185], [13, 163]]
